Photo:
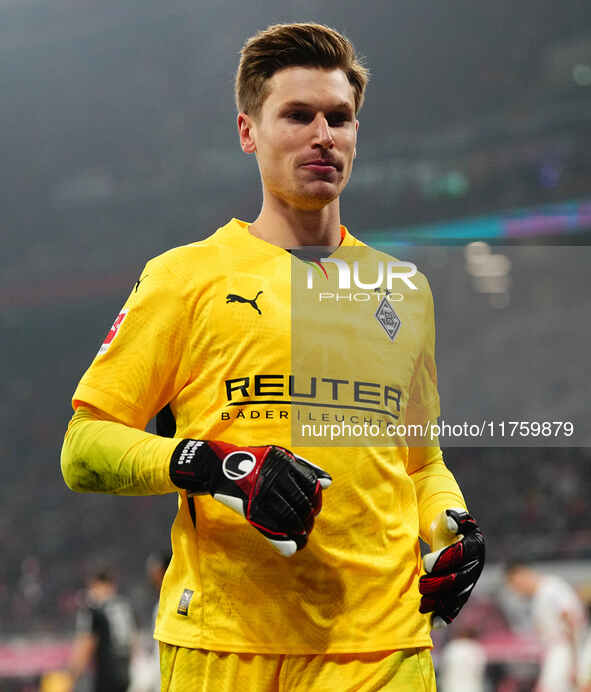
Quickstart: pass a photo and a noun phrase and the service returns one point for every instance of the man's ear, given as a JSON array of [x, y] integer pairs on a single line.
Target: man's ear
[[246, 133]]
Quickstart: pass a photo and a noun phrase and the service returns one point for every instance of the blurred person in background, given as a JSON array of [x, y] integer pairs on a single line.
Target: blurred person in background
[[105, 636], [558, 618], [462, 665]]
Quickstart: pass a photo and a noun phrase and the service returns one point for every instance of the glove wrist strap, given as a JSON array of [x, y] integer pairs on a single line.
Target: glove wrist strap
[[191, 466]]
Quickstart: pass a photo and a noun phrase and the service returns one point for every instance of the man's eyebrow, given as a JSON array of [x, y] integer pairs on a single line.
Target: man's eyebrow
[[342, 106]]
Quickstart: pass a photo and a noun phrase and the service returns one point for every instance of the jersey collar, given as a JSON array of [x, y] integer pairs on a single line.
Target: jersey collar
[[240, 228]]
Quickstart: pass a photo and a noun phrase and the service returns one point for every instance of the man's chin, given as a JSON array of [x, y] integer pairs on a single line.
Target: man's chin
[[319, 197]]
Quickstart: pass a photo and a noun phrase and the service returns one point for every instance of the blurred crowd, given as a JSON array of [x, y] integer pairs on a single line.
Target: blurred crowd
[[531, 502]]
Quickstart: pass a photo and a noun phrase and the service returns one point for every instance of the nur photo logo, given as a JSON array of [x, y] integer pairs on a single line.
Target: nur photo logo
[[347, 275]]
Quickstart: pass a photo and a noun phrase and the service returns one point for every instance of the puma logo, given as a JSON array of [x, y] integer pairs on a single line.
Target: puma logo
[[234, 298]]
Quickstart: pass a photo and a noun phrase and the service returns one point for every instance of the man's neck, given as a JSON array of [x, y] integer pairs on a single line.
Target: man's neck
[[288, 227]]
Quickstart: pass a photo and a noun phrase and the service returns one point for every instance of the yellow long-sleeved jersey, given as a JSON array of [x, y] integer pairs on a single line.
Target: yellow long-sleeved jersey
[[241, 341]]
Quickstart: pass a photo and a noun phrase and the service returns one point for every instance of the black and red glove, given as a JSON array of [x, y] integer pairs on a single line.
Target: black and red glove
[[452, 571], [276, 491]]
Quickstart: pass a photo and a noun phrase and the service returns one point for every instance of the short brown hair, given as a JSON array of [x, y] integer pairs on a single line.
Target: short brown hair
[[294, 45]]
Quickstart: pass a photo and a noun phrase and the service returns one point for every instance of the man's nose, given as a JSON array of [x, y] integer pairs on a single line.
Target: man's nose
[[323, 135]]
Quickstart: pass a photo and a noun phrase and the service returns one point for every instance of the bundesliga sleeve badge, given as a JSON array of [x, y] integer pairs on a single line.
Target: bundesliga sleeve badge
[[112, 332]]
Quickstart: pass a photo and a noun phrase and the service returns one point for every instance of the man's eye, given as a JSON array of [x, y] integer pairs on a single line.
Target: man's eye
[[337, 119], [300, 116]]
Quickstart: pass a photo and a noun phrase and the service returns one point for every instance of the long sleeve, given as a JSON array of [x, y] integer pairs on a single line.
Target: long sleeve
[[102, 455], [435, 486]]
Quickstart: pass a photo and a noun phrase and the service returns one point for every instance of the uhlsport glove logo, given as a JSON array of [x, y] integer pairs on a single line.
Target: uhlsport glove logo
[[237, 465], [277, 492]]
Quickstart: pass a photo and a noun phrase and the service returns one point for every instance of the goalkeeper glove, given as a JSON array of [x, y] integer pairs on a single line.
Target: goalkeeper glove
[[453, 568], [276, 491]]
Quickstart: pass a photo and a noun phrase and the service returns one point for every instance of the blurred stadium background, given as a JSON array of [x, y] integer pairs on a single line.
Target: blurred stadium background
[[118, 142]]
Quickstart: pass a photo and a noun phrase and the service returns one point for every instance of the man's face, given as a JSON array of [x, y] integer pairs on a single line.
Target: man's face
[[100, 591], [305, 136], [522, 581]]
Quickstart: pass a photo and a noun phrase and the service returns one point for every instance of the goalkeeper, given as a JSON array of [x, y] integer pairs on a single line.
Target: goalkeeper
[[272, 585]]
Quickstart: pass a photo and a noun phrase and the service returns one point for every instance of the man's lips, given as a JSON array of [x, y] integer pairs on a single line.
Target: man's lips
[[321, 165]]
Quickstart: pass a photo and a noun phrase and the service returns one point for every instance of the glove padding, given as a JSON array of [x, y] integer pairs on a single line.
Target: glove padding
[[276, 491], [453, 570]]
